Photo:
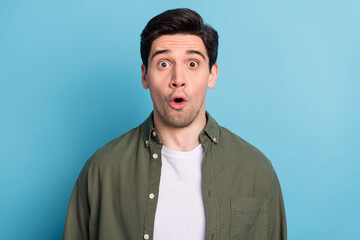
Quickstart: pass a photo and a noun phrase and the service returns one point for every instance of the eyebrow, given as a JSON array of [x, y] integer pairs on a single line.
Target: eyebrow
[[158, 52], [195, 52], [167, 51]]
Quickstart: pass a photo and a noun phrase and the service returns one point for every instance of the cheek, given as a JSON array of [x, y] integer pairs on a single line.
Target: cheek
[[199, 92], [201, 83], [157, 80], [156, 94]]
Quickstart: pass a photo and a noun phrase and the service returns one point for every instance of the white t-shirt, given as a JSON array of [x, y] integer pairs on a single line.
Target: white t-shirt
[[180, 212]]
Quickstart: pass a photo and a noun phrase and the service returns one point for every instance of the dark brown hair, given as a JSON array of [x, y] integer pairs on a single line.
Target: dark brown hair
[[174, 21]]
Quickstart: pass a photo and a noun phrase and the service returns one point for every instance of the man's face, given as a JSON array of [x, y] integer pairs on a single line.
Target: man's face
[[178, 76]]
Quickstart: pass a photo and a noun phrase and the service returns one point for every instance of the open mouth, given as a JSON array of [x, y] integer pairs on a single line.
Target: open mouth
[[178, 100]]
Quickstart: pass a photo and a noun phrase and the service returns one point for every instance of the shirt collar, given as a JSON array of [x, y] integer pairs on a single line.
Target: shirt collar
[[148, 131], [212, 128]]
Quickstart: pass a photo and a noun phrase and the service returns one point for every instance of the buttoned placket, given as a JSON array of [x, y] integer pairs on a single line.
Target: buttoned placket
[[154, 145], [208, 188]]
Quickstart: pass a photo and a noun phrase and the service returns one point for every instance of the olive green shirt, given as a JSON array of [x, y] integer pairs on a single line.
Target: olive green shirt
[[115, 195]]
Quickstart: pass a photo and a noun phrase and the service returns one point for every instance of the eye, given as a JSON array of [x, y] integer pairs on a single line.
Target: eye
[[193, 64], [163, 64]]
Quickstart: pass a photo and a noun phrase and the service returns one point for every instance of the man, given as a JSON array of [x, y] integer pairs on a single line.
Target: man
[[179, 175]]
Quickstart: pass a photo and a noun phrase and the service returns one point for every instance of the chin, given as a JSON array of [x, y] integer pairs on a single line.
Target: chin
[[180, 119]]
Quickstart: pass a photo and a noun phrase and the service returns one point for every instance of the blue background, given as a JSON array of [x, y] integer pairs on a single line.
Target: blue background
[[289, 83]]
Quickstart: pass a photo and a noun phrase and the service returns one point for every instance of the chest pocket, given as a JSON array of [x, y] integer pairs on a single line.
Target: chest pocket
[[249, 218]]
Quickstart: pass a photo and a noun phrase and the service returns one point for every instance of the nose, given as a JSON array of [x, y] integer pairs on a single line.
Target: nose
[[178, 79]]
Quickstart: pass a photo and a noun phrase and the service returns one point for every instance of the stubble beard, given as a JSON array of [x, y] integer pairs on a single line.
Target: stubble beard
[[178, 118]]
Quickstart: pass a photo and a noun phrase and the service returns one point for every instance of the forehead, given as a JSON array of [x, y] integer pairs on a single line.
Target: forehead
[[178, 43]]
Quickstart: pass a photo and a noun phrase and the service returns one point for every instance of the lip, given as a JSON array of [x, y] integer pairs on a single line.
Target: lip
[[174, 103]]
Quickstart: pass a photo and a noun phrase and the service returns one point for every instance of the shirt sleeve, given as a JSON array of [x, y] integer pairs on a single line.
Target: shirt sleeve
[[277, 229], [77, 219]]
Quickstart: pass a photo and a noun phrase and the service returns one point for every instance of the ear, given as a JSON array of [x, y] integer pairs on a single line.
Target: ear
[[213, 75], [144, 79]]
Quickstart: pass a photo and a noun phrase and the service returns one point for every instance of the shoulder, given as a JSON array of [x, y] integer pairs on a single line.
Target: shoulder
[[240, 163], [241, 151], [244, 163], [115, 151]]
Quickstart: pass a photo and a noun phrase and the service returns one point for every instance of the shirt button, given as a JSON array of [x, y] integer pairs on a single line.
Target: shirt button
[[146, 236], [154, 133], [155, 156], [151, 196], [147, 142], [214, 139]]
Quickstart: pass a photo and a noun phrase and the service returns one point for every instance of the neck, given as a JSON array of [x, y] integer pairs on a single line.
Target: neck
[[181, 139]]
